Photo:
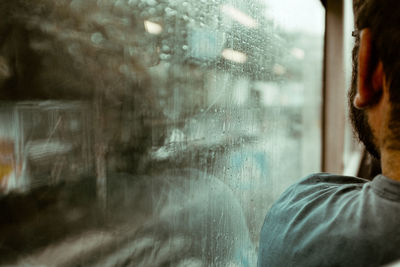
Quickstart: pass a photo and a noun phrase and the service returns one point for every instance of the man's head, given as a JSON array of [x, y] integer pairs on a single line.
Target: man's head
[[375, 91]]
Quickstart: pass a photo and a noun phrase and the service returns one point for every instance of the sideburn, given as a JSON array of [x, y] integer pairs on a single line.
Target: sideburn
[[359, 118]]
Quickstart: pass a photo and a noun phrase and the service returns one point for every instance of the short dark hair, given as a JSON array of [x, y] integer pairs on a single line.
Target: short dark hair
[[382, 17]]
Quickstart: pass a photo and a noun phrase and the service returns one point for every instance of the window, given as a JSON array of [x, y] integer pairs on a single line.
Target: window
[[155, 131]]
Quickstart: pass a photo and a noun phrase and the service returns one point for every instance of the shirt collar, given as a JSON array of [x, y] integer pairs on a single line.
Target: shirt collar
[[388, 187]]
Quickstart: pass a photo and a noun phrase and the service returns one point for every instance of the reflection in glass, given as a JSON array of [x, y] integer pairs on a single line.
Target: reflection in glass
[[151, 133]]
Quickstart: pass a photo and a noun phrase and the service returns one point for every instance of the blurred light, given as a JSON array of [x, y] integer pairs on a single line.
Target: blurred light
[[239, 16], [279, 69], [234, 56], [298, 53], [152, 27]]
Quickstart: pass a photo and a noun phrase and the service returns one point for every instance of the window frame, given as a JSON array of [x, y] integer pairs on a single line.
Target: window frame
[[334, 92]]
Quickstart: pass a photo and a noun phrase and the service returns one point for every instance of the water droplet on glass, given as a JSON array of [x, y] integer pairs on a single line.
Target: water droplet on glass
[[73, 49], [144, 14], [131, 50], [97, 38], [119, 3], [151, 2], [165, 49], [165, 56]]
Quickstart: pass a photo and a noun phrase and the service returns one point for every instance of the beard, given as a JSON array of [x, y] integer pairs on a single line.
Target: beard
[[358, 117]]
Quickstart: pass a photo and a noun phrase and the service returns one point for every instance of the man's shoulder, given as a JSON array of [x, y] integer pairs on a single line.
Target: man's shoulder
[[315, 185], [319, 197], [332, 179], [317, 209]]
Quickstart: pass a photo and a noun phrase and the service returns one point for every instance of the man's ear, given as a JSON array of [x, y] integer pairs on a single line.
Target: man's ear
[[370, 74]]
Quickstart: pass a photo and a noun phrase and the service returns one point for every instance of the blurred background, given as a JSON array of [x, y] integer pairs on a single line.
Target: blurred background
[[159, 132]]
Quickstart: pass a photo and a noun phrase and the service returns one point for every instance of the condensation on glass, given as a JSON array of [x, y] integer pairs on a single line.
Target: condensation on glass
[[153, 132]]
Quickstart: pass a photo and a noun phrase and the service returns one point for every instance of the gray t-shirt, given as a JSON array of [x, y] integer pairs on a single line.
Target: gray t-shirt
[[330, 220]]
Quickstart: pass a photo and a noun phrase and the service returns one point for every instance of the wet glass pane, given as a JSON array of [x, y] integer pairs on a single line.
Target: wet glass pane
[[153, 132]]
